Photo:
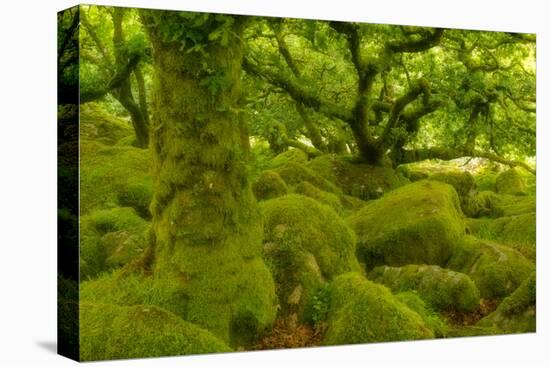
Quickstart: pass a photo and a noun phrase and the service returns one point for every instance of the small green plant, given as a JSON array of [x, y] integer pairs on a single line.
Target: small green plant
[[320, 305]]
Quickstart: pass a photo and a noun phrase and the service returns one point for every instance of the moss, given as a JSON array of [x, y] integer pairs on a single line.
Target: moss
[[357, 179], [98, 124], [462, 181], [443, 289], [419, 223], [480, 204], [269, 185], [114, 176], [485, 180], [305, 244], [362, 312], [460, 331], [430, 318], [297, 156], [116, 332], [352, 203], [327, 198], [294, 174], [517, 312], [518, 232], [510, 182], [497, 270], [508, 205], [110, 238]]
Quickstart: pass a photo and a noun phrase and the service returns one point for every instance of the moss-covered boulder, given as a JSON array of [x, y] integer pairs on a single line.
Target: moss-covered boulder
[[517, 312], [114, 176], [118, 332], [443, 289], [305, 244], [357, 179], [485, 180], [462, 181], [269, 185], [510, 182], [480, 204], [363, 312], [426, 312], [110, 238], [98, 124], [490, 204], [419, 223], [518, 232], [497, 270], [327, 198], [295, 173], [297, 156]]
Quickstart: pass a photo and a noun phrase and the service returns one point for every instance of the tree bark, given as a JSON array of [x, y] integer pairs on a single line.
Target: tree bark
[[206, 223]]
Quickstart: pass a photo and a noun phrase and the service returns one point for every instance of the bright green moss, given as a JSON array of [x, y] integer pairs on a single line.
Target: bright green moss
[[110, 238], [497, 270], [517, 312], [480, 204], [297, 156], [510, 182], [357, 179], [305, 243], [485, 180], [462, 181], [508, 205], [443, 289], [114, 176], [98, 124], [115, 332], [294, 173], [269, 185], [518, 232], [430, 318], [419, 223], [327, 198], [363, 312]]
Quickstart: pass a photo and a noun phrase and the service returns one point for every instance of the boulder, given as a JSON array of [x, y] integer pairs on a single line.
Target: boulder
[[497, 270], [305, 244], [443, 289], [419, 223], [269, 185], [363, 312], [510, 182], [122, 332]]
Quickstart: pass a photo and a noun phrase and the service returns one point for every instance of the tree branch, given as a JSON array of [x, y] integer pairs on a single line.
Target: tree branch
[[419, 45]]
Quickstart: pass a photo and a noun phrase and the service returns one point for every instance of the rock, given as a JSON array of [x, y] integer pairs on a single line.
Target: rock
[[122, 332], [364, 312], [327, 198], [443, 289], [517, 312], [497, 270], [510, 182], [269, 185], [419, 223], [357, 179], [305, 244]]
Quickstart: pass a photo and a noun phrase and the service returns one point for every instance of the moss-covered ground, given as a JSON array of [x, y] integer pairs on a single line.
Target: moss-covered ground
[[335, 251]]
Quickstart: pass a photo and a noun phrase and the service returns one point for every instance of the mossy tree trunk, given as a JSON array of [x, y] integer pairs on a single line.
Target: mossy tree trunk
[[206, 224]]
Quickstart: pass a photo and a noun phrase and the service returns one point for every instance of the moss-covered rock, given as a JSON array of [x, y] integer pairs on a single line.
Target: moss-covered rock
[[462, 181], [490, 204], [114, 176], [110, 238], [510, 182], [116, 332], [269, 185], [98, 124], [429, 316], [297, 156], [497, 270], [305, 244], [443, 289], [518, 231], [419, 223], [294, 174], [327, 198], [357, 179], [363, 312], [480, 204], [517, 312], [485, 180]]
